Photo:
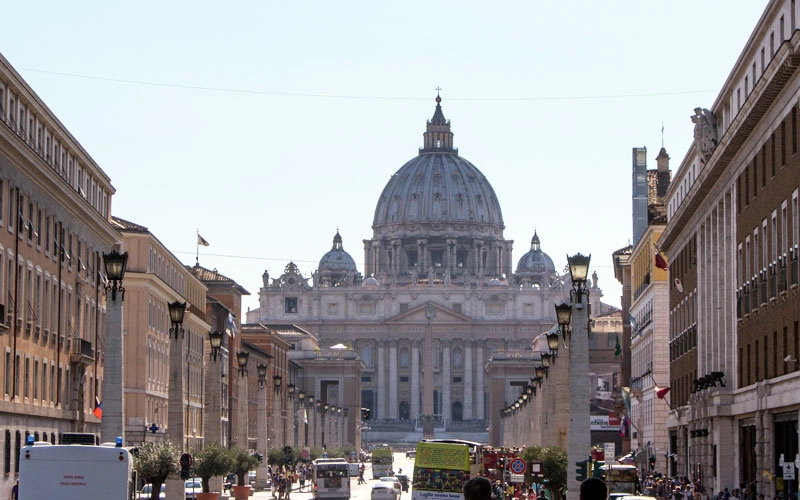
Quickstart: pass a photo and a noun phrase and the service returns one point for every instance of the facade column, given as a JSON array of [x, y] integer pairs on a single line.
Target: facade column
[[262, 476], [446, 381], [467, 413], [415, 377], [392, 396], [578, 438], [480, 381], [381, 371]]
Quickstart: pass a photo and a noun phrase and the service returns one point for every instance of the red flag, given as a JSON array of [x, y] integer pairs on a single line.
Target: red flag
[[661, 392], [661, 262], [98, 408]]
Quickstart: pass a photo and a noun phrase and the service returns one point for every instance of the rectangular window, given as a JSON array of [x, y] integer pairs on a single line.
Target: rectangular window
[[783, 143], [403, 307], [457, 308], [7, 374], [290, 305], [774, 160], [36, 379], [2, 201], [794, 130], [26, 391], [457, 380]]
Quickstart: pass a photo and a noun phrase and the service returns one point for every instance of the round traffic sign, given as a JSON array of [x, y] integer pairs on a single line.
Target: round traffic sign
[[518, 466]]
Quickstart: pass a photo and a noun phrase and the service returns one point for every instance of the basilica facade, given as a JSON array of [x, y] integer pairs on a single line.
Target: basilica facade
[[437, 300]]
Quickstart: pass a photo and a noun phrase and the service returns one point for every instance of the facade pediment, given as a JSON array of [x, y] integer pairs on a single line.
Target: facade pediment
[[439, 314]]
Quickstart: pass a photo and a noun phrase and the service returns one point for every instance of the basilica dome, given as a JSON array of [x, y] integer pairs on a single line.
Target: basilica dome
[[337, 260], [438, 186], [535, 262]]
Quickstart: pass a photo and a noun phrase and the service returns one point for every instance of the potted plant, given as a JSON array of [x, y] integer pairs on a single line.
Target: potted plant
[[155, 462], [212, 460], [242, 463]]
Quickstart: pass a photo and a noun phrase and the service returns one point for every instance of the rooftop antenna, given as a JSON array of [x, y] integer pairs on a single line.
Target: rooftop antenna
[[662, 133]]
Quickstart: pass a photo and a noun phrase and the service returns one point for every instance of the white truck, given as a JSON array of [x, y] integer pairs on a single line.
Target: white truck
[[74, 471]]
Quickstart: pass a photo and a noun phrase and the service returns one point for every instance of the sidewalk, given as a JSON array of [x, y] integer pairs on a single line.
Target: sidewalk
[[294, 495]]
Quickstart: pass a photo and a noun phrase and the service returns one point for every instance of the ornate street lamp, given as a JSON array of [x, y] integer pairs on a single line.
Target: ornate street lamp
[[290, 390], [540, 372], [276, 383], [552, 343], [529, 390], [215, 339], [301, 396], [311, 401], [176, 312], [262, 374], [546, 357], [241, 360], [578, 271], [115, 264]]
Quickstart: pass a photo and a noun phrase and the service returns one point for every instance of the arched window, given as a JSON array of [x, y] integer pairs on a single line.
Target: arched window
[[366, 355], [456, 411], [458, 358], [405, 357]]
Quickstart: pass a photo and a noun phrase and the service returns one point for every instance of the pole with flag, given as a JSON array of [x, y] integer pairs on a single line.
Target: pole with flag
[[98, 408], [661, 262], [200, 241]]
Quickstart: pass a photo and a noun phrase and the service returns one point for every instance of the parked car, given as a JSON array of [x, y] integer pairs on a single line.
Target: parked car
[[193, 486], [147, 491], [394, 482], [411, 453], [383, 490]]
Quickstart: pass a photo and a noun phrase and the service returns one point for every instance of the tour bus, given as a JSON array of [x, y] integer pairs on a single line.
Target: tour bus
[[621, 479], [442, 466], [382, 460], [331, 478], [75, 471]]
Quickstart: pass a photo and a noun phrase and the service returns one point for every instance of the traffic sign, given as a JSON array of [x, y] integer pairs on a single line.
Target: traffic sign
[[788, 470], [517, 466]]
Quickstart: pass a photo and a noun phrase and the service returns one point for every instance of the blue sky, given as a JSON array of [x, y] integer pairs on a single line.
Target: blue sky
[[267, 125]]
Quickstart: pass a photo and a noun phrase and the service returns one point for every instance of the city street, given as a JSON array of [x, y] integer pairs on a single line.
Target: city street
[[358, 491]]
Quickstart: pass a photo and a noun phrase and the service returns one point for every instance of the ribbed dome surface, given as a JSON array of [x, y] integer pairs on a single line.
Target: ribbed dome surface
[[337, 260], [438, 187], [535, 261]]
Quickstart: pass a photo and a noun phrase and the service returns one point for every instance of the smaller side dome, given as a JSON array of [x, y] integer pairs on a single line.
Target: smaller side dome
[[337, 260], [337, 267], [535, 262], [370, 282]]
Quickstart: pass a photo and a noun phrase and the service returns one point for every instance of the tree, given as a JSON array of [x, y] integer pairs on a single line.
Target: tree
[[554, 467], [242, 463], [156, 462], [212, 460]]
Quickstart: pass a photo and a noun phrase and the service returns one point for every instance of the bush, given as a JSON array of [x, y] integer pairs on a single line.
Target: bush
[[156, 462], [241, 463], [212, 460]]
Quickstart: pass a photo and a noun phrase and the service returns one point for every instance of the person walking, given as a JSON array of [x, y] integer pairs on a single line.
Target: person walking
[[15, 491]]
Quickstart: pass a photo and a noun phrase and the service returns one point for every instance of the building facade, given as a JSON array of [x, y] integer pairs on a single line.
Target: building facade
[[732, 241], [440, 291], [55, 225]]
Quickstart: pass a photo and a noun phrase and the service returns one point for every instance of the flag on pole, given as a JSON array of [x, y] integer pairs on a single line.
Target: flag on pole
[[661, 392], [661, 262], [202, 241], [98, 408], [624, 428], [305, 416]]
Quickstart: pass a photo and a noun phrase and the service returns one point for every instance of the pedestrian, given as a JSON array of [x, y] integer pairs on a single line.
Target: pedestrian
[[478, 488], [15, 491], [593, 488]]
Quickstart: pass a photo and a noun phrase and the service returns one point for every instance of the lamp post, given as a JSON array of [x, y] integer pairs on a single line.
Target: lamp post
[[113, 422], [175, 410], [240, 439], [279, 407], [313, 421], [301, 401], [290, 388], [213, 397], [262, 475], [579, 435]]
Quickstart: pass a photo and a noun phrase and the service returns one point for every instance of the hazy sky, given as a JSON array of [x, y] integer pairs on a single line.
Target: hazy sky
[[267, 125]]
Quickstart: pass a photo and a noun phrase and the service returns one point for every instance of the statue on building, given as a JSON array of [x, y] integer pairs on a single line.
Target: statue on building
[[705, 133]]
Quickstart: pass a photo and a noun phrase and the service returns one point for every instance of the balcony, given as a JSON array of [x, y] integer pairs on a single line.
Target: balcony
[[81, 352]]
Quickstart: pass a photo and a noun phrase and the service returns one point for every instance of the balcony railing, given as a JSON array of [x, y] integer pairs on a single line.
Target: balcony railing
[[81, 351]]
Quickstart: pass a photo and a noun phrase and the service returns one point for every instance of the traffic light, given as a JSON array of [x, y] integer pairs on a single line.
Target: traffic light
[[652, 461], [580, 470], [186, 465], [365, 413]]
